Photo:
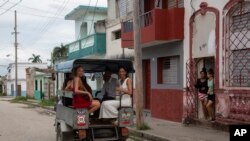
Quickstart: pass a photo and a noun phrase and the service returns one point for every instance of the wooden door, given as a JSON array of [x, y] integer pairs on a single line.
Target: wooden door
[[147, 84]]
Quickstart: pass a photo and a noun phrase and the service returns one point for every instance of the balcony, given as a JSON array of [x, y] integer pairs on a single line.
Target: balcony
[[157, 26], [91, 45]]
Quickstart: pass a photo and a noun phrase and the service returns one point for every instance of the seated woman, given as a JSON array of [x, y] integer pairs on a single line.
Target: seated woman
[[109, 109], [82, 97]]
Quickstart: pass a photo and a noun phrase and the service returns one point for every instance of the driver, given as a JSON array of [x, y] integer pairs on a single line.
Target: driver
[[108, 91]]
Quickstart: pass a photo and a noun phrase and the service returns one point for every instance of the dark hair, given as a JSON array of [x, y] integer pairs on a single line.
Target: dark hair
[[74, 71], [211, 72], [84, 82], [204, 70], [125, 70]]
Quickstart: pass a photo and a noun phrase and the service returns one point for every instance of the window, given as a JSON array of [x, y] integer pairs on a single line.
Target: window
[[128, 26], [175, 3], [116, 35], [241, 22], [237, 46], [168, 70], [240, 68], [124, 7]]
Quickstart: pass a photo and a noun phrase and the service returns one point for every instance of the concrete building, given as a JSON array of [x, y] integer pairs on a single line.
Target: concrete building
[[162, 35], [178, 39], [118, 11], [10, 81], [90, 37], [217, 36]]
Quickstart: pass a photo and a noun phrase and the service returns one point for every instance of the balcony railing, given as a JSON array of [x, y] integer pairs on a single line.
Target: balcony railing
[[157, 26], [146, 19], [90, 45]]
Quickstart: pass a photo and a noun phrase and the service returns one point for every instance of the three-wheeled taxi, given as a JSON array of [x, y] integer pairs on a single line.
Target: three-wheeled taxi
[[73, 124]]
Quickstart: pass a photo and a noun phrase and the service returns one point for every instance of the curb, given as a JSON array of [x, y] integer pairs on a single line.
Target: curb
[[147, 136]]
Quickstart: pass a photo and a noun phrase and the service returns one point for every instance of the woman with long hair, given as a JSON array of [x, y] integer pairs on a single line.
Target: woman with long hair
[[82, 97], [109, 109]]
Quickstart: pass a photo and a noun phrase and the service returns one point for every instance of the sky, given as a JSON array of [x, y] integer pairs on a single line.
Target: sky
[[41, 25]]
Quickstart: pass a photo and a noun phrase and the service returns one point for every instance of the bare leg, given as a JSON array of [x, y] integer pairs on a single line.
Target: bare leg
[[94, 106], [210, 109], [204, 108]]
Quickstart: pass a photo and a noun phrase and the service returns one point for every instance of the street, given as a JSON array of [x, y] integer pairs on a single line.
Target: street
[[24, 123], [21, 122]]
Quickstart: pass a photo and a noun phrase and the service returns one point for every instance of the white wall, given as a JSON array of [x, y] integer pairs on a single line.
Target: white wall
[[90, 25], [113, 47], [218, 4], [21, 70]]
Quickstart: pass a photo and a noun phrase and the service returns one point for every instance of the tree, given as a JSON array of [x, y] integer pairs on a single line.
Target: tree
[[59, 52], [35, 59]]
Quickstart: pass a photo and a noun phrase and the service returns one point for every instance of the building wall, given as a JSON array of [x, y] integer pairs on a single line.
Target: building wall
[[21, 75], [188, 13], [225, 96], [166, 100], [90, 25], [113, 47]]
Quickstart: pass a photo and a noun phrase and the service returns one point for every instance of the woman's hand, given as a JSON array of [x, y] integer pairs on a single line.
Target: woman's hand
[[90, 97], [119, 89]]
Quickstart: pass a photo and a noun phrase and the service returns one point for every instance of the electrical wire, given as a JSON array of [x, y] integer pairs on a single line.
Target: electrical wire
[[51, 21], [36, 9], [4, 3], [10, 8], [36, 15]]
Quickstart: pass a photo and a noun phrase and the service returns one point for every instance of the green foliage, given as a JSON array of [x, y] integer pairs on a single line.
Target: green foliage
[[50, 102], [19, 99], [59, 52], [35, 59], [144, 126]]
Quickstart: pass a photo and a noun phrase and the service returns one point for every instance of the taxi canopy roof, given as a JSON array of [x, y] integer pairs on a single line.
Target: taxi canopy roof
[[95, 65]]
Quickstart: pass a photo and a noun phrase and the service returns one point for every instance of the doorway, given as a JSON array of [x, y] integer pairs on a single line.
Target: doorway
[[147, 84], [19, 90], [201, 63]]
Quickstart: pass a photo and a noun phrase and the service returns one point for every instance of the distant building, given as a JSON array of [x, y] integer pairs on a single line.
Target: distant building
[[90, 37], [10, 80]]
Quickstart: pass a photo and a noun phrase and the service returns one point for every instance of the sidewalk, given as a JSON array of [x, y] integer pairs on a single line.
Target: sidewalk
[[162, 130]]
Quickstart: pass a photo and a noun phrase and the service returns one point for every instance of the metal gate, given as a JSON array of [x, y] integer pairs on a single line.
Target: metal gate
[[237, 45], [191, 104]]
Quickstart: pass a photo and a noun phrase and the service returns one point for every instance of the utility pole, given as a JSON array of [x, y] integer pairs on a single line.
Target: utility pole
[[16, 44], [138, 65]]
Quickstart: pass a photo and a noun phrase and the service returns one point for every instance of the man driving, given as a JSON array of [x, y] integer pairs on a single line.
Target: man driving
[[108, 91]]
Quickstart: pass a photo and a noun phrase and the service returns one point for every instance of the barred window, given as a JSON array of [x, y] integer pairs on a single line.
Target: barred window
[[237, 46], [168, 68], [241, 22]]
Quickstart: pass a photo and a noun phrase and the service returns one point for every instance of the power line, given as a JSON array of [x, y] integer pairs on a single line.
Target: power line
[[52, 20], [36, 9], [36, 15], [4, 3], [10, 8]]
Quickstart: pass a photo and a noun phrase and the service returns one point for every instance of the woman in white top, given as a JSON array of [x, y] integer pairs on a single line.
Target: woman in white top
[[109, 109]]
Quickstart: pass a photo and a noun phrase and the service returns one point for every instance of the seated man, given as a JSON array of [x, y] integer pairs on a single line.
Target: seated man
[[108, 91]]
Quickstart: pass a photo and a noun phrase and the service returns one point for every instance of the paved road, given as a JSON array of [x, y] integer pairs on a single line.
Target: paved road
[[19, 122]]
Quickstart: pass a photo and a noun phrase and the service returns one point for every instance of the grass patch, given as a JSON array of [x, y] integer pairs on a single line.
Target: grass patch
[[19, 99], [50, 102], [144, 126]]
